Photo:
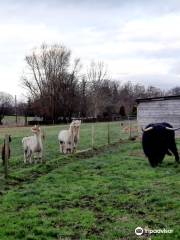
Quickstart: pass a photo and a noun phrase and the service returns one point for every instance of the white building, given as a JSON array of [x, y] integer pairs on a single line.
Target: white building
[[158, 109]]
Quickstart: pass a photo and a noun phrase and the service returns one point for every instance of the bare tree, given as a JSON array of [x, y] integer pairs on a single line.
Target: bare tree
[[51, 79], [6, 105], [56, 89], [45, 65], [174, 91], [96, 75], [154, 92]]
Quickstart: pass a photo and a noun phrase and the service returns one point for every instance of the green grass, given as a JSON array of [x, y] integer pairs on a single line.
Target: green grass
[[12, 119], [101, 194]]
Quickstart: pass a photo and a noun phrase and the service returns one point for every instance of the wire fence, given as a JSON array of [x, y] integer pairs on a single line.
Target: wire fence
[[97, 134], [92, 135]]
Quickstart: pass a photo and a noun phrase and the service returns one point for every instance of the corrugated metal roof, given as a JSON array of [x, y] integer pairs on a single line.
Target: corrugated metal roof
[[138, 100]]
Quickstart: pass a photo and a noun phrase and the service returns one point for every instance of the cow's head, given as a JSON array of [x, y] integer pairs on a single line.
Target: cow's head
[[151, 128]]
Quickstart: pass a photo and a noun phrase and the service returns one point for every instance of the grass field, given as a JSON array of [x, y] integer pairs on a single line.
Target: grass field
[[101, 194], [11, 120]]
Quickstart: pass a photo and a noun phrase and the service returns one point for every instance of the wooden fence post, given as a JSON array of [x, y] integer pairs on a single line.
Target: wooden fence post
[[6, 155], [108, 127], [129, 127], [120, 130], [92, 136]]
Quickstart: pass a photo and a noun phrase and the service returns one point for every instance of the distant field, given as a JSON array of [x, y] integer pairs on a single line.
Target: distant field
[[8, 120], [102, 194], [116, 132]]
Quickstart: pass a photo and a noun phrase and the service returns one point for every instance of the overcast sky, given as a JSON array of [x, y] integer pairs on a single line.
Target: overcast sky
[[139, 40]]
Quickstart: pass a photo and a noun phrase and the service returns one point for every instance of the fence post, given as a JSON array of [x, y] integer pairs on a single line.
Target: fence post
[[92, 136], [120, 130], [129, 126], [108, 127], [6, 155]]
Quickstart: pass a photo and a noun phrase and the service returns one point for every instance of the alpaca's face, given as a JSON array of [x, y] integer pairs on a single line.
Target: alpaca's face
[[36, 129], [76, 124]]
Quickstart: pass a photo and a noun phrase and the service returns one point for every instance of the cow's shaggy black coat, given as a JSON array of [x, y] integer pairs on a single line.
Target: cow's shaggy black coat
[[158, 142]]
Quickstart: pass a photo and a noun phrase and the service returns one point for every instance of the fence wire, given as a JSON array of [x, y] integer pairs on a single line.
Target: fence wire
[[92, 135], [98, 134]]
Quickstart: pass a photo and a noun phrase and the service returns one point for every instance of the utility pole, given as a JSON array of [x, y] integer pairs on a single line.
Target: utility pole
[[16, 108]]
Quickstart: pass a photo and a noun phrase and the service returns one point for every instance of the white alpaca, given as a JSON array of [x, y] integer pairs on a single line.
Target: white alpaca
[[68, 139], [33, 144]]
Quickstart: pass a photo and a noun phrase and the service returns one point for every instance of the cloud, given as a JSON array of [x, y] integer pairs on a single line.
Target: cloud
[[162, 53], [135, 38], [161, 28], [175, 68], [163, 81]]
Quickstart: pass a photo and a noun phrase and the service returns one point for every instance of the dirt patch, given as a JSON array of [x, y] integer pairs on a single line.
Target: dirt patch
[[137, 154]]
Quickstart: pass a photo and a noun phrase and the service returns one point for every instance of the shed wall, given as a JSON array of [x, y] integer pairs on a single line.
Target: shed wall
[[159, 111]]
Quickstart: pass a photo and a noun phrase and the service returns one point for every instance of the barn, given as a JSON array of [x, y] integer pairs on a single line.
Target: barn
[[158, 109]]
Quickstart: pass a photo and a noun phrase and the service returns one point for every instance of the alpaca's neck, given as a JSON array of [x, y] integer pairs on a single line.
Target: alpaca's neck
[[74, 132], [38, 137], [71, 130]]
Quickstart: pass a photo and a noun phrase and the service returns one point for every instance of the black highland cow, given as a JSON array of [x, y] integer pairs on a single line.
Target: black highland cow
[[158, 140]]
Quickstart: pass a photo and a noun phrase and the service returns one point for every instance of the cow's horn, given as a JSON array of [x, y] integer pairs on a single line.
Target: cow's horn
[[147, 129], [172, 129]]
